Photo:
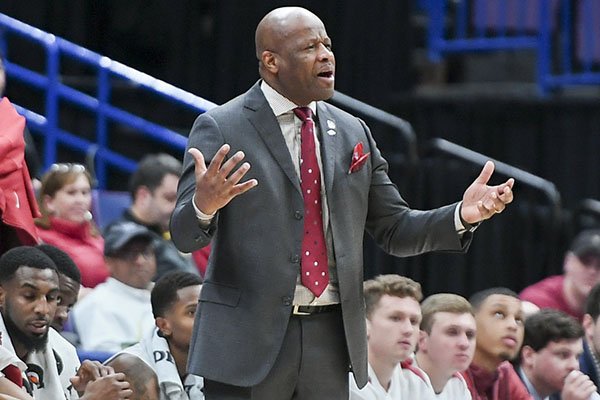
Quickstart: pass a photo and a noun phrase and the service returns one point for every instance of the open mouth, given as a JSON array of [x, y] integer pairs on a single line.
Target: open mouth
[[39, 327], [325, 74]]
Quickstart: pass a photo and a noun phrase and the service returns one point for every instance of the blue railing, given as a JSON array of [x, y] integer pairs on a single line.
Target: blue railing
[[106, 70], [564, 33]]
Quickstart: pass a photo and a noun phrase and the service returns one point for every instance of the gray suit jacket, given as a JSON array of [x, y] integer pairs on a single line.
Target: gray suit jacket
[[246, 299]]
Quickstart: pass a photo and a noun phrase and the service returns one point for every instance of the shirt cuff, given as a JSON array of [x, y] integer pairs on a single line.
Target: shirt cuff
[[205, 218], [460, 225]]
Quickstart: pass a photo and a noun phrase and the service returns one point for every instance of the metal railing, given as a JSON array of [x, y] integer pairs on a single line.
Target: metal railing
[[107, 72], [565, 34], [545, 187]]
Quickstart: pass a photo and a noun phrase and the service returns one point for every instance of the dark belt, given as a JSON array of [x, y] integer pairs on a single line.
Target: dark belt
[[310, 310]]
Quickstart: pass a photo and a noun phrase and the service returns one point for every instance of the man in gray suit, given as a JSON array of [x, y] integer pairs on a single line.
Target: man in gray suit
[[262, 330]]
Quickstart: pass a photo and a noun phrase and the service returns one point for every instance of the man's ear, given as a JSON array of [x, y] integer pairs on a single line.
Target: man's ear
[[527, 356], [422, 342], [164, 326], [142, 193], [2, 295], [588, 325], [269, 61]]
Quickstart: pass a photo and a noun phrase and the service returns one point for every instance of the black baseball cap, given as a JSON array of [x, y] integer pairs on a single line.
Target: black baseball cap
[[118, 234]]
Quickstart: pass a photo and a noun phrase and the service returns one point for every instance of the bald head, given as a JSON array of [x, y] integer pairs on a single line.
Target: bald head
[[275, 27], [294, 55]]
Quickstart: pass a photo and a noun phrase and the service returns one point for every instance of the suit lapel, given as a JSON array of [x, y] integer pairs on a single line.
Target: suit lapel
[[329, 144], [261, 116]]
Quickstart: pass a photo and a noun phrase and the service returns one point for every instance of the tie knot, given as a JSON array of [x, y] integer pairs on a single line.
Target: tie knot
[[304, 113]]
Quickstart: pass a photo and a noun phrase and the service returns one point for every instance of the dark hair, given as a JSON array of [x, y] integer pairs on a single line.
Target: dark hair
[[479, 297], [164, 293], [550, 325], [64, 263], [151, 171], [23, 256], [592, 304]]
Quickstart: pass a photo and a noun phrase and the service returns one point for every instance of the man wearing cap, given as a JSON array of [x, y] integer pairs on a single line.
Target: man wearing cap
[[568, 292], [117, 312]]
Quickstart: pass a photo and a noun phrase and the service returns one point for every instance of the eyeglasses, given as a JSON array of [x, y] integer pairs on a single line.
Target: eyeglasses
[[132, 253], [67, 167]]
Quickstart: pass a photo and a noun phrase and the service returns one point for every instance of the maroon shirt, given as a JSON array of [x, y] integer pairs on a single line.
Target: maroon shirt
[[548, 293]]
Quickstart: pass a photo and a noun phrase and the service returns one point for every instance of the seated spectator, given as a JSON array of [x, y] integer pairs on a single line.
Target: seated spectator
[[393, 317], [568, 292], [65, 199], [589, 361], [69, 282], [28, 298], [163, 352], [446, 345], [499, 320], [117, 313], [153, 189], [549, 362]]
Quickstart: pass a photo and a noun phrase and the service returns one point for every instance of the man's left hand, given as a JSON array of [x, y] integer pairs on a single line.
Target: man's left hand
[[481, 201]]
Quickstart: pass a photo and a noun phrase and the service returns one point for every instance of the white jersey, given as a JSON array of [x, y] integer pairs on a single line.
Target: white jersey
[[154, 351], [48, 370], [405, 384], [455, 389]]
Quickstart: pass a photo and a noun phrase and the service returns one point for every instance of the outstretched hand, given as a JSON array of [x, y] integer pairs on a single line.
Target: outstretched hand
[[481, 201], [218, 184]]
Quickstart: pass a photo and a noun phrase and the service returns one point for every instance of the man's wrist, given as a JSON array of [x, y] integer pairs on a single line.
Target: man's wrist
[[461, 225], [202, 217]]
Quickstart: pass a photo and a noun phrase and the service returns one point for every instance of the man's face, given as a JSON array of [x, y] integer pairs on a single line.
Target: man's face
[[393, 329], [305, 60], [451, 344], [135, 263], [69, 290], [181, 317], [161, 201], [499, 328], [583, 272], [29, 301], [550, 365]]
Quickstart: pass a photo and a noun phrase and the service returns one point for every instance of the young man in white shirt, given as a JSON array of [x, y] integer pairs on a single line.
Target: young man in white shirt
[[393, 318], [157, 366], [446, 344]]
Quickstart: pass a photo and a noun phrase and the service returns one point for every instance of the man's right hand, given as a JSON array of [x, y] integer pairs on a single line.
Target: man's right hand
[[113, 386], [578, 386], [217, 184]]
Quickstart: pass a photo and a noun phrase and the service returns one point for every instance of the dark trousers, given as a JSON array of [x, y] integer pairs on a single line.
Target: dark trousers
[[313, 364]]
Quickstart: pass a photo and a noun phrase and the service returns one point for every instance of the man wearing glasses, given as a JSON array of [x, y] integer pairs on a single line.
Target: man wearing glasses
[[569, 291], [116, 313]]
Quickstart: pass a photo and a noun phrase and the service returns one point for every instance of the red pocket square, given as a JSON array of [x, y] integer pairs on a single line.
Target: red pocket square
[[358, 158]]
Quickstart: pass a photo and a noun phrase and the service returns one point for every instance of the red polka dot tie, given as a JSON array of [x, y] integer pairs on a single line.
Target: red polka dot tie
[[314, 268]]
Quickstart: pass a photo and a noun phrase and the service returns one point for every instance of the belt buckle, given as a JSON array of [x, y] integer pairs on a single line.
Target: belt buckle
[[296, 310]]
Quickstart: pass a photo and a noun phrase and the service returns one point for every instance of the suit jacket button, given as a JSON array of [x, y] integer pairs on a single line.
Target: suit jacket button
[[286, 300], [295, 258], [298, 215]]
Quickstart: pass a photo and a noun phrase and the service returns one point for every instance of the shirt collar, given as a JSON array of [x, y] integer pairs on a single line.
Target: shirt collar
[[279, 103], [529, 386]]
